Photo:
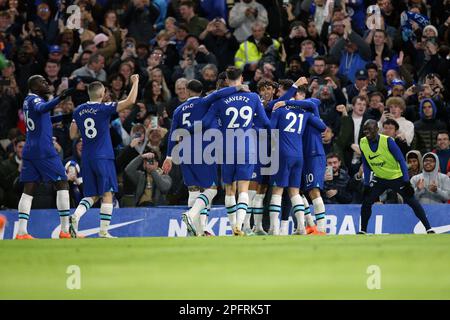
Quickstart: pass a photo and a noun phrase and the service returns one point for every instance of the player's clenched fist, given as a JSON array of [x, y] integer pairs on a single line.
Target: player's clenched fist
[[134, 78]]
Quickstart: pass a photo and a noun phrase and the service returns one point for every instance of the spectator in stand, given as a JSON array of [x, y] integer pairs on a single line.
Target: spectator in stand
[[9, 172], [336, 186], [221, 42], [140, 19], [117, 86], [45, 23], [431, 186], [443, 151], [414, 162], [181, 96], [427, 128], [351, 132], [243, 16], [360, 87], [194, 23], [351, 51], [390, 129], [396, 106], [93, 69], [134, 149], [150, 184]]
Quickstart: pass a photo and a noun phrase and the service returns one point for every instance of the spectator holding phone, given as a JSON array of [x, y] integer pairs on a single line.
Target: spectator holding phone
[[150, 183], [336, 187]]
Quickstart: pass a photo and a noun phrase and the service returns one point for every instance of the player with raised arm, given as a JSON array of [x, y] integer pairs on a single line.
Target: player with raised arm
[[41, 162], [259, 184], [313, 170], [200, 178], [290, 123], [238, 114], [92, 119]]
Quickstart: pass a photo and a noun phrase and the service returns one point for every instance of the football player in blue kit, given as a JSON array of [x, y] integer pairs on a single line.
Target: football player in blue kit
[[41, 162], [291, 124], [239, 115], [200, 178], [92, 120], [313, 170]]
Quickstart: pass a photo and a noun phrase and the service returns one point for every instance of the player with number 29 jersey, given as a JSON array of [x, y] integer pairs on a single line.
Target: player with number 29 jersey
[[99, 172]]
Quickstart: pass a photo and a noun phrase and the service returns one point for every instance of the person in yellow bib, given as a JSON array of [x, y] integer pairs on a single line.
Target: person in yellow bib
[[383, 157]]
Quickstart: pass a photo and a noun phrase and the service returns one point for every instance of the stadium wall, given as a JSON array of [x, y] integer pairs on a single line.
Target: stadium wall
[[166, 221]]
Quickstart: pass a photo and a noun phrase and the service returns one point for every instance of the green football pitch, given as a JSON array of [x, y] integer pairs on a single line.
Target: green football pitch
[[291, 267]]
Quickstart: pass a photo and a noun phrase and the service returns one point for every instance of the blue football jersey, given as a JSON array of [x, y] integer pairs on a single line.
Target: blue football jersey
[[239, 111], [192, 110], [39, 143], [291, 124], [92, 119]]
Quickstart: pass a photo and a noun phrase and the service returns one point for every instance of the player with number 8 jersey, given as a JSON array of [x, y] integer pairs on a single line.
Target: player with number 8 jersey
[[99, 172]]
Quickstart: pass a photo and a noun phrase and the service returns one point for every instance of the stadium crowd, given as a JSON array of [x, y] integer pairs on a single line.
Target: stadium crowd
[[364, 59]]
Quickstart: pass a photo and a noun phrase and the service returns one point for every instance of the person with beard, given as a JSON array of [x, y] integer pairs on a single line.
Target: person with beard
[[431, 186], [382, 156], [294, 70]]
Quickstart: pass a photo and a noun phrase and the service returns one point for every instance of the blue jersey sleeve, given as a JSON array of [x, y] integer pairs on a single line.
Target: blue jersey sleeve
[[317, 123], [208, 119], [219, 94], [175, 125], [43, 107], [304, 104], [396, 152], [109, 107], [274, 119], [286, 96], [366, 170], [261, 119]]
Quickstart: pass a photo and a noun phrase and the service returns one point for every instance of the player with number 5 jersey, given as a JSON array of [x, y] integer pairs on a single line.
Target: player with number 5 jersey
[[92, 120]]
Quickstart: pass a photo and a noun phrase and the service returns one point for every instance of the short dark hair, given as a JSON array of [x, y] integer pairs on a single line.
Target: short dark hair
[[333, 155], [443, 132], [195, 86], [391, 122], [32, 81], [285, 83], [377, 93], [233, 73], [94, 58], [320, 58], [187, 3]]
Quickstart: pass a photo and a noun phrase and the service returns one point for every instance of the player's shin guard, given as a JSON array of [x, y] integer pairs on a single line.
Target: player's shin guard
[[319, 212], [274, 212], [63, 206], [202, 202], [258, 210], [241, 209], [230, 204], [251, 196], [298, 208], [308, 217], [84, 205], [106, 210], [24, 212], [193, 195]]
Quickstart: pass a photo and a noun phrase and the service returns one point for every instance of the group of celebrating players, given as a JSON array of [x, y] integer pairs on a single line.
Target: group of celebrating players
[[295, 119]]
